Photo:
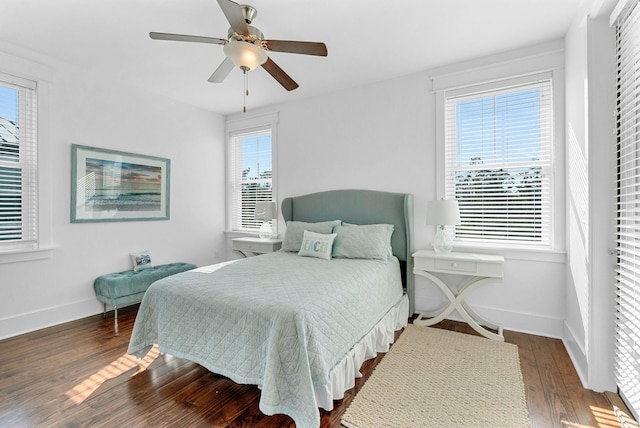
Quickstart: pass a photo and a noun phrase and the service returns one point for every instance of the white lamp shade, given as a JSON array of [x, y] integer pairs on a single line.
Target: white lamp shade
[[265, 210], [245, 54], [443, 212]]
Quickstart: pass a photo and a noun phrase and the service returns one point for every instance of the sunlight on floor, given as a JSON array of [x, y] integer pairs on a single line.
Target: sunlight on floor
[[82, 391], [625, 417], [606, 418]]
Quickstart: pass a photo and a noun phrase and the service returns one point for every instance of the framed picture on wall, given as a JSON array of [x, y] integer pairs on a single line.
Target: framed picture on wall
[[108, 185]]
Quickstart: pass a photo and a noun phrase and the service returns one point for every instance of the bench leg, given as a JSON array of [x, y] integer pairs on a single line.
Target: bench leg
[[115, 317]]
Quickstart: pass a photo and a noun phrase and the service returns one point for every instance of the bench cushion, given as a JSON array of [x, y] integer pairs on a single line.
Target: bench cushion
[[129, 286]]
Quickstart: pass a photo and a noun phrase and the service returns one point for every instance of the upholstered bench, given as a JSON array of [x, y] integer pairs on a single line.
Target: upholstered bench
[[128, 287]]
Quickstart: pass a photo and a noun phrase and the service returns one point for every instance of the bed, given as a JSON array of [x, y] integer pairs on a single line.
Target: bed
[[297, 327]]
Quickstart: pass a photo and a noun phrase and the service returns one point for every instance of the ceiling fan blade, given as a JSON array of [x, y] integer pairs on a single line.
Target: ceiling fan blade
[[277, 73], [233, 12], [186, 38], [222, 71], [305, 48]]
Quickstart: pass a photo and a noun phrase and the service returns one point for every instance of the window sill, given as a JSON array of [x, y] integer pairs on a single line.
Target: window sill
[[513, 253], [25, 255], [236, 234]]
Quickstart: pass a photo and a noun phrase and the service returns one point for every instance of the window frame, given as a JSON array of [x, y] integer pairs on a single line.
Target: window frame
[[626, 19], [22, 69], [507, 71], [26, 161], [247, 125], [497, 89]]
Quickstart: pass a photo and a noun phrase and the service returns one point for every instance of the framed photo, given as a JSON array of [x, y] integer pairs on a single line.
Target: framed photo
[[108, 185]]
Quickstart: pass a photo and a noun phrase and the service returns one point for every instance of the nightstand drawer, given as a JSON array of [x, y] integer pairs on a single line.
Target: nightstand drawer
[[460, 263], [255, 246], [456, 266], [252, 246]]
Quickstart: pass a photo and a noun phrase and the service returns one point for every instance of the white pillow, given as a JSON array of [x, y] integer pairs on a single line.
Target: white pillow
[[141, 260], [369, 241], [317, 245], [293, 235]]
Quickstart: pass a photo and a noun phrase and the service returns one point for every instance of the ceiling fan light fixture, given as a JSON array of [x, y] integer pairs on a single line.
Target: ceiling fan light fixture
[[245, 54]]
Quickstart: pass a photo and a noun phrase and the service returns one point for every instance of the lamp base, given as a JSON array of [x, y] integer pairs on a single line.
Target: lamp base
[[265, 232], [442, 242]]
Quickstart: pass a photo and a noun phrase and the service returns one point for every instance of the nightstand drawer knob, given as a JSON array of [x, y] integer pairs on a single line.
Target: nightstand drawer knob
[[456, 266]]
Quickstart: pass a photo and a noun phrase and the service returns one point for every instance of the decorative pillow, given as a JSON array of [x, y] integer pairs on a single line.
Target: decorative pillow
[[317, 245], [369, 241], [141, 260], [295, 229]]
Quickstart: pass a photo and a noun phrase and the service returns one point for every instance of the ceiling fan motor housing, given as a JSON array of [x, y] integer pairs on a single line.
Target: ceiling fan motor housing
[[248, 12], [255, 36]]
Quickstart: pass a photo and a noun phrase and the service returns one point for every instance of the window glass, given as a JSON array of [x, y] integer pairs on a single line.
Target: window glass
[[498, 163], [18, 169], [250, 176], [627, 332]]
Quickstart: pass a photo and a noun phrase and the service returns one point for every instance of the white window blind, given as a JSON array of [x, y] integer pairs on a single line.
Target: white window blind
[[250, 176], [498, 161], [18, 163], [627, 343]]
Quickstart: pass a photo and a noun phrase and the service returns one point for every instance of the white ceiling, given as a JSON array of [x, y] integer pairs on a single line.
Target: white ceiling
[[367, 40]]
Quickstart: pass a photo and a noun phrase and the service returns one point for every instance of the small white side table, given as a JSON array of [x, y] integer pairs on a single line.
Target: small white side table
[[480, 268], [250, 246]]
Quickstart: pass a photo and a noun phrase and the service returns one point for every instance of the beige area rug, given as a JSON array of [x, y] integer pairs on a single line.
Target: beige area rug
[[439, 378]]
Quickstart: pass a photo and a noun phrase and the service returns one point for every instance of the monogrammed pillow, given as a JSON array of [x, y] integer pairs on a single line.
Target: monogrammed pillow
[[317, 245]]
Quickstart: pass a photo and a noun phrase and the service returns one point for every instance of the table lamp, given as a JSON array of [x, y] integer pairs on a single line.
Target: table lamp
[[265, 211], [442, 213]]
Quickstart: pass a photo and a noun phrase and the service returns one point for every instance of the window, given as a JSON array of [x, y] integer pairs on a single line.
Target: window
[[627, 335], [18, 164], [498, 162], [250, 173]]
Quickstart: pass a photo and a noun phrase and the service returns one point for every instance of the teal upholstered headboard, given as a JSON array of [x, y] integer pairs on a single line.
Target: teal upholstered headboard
[[363, 207]]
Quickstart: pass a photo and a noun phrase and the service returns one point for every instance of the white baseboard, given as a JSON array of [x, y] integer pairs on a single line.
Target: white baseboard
[[522, 322], [48, 317], [575, 349], [516, 321]]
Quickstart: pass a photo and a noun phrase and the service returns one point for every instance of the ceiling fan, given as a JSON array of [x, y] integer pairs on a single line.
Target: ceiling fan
[[246, 47]]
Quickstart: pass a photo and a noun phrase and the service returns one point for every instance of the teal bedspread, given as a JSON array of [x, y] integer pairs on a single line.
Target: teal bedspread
[[279, 321]]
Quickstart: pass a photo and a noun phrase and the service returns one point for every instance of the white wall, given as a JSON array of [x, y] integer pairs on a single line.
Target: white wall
[[577, 291], [382, 137], [590, 277], [99, 113]]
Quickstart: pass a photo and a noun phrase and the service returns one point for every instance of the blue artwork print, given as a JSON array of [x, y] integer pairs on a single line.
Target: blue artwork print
[[122, 186]]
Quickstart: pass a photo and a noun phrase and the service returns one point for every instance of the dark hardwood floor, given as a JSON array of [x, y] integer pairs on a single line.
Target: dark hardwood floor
[[78, 375]]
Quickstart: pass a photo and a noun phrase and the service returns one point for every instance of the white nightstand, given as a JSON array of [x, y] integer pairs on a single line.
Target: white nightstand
[[255, 246], [481, 269]]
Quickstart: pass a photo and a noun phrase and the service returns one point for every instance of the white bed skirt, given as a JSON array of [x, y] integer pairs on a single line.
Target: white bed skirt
[[343, 375]]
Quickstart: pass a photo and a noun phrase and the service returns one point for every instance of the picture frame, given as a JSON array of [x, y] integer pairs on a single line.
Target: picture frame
[[110, 185]]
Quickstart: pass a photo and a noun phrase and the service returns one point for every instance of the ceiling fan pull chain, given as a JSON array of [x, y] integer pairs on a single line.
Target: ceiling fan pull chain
[[246, 86]]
